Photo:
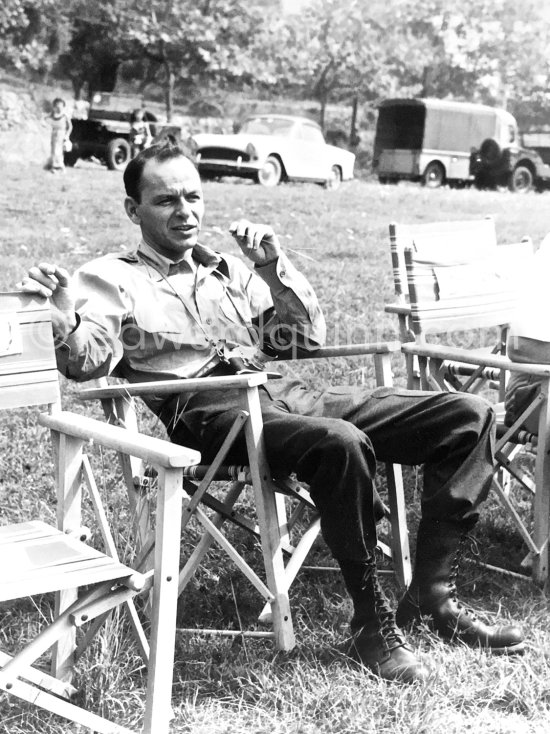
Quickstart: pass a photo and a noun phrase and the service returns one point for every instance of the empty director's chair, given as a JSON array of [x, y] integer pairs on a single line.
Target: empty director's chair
[[434, 240], [272, 527], [39, 558], [467, 242], [456, 299]]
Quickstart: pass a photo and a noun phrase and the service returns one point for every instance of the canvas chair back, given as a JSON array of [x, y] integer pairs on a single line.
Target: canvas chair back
[[470, 239], [28, 371]]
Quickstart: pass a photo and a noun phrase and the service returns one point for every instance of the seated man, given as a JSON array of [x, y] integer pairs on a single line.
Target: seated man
[[529, 337], [173, 308]]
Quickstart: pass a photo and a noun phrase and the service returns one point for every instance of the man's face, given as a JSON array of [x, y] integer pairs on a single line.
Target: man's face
[[171, 207]]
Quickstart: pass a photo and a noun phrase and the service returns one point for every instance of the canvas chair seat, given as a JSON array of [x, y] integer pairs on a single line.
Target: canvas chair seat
[[43, 559]]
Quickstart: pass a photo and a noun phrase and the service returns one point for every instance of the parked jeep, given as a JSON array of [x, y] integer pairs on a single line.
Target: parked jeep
[[105, 133], [518, 168]]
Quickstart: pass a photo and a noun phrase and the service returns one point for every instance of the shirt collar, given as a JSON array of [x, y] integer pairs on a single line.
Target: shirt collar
[[201, 254]]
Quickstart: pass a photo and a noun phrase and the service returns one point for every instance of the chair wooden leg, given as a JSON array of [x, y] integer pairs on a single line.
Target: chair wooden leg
[[401, 555], [165, 595], [541, 506], [68, 469], [268, 520], [295, 563]]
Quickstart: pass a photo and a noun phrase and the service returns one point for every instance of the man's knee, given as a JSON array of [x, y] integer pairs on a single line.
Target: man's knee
[[344, 445], [471, 412]]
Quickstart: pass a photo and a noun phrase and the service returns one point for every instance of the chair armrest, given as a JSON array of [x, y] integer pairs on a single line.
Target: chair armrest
[[401, 309], [467, 356], [172, 387], [348, 350], [153, 450]]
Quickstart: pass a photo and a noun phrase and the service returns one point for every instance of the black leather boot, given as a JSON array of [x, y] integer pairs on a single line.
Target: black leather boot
[[376, 642], [433, 594]]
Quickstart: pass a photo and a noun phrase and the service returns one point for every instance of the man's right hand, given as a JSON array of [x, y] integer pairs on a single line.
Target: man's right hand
[[54, 283]]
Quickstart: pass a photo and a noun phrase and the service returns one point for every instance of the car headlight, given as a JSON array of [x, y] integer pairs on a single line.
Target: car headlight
[[251, 152]]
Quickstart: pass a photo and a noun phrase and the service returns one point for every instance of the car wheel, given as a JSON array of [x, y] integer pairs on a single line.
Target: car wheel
[[118, 154], [521, 180], [271, 172], [434, 175], [334, 180]]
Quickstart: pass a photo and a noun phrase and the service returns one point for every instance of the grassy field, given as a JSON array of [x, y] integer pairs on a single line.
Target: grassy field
[[340, 242]]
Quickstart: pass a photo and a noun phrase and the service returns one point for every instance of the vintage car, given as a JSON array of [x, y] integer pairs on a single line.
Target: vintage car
[[103, 132], [274, 148]]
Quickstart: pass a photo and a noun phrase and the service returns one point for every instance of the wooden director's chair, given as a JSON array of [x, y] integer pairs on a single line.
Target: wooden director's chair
[[38, 558], [451, 243], [450, 299], [272, 527]]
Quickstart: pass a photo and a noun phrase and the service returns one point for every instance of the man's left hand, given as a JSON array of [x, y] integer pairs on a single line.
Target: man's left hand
[[257, 241]]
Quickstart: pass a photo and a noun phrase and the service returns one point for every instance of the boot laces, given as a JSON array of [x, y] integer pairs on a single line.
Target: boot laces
[[453, 575], [389, 630]]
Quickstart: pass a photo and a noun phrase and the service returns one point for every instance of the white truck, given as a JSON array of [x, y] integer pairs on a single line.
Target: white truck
[[430, 140]]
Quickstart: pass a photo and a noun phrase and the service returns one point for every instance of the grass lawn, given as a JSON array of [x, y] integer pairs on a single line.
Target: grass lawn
[[340, 241]]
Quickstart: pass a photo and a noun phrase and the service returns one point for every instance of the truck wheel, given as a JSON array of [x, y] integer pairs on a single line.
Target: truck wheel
[[70, 158], [434, 175], [271, 172], [521, 180], [118, 154]]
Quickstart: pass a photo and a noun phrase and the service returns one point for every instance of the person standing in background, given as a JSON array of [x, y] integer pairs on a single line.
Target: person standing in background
[[140, 132], [61, 128]]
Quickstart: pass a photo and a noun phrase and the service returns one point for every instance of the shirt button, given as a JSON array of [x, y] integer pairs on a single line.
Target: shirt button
[[282, 273], [209, 321]]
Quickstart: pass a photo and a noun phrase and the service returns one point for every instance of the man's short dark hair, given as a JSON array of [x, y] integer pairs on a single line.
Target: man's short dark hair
[[134, 170]]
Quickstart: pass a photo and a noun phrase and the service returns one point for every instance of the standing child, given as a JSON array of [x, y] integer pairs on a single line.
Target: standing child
[[61, 129], [140, 132]]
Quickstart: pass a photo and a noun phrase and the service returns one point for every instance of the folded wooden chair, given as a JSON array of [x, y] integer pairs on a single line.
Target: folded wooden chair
[[272, 527], [449, 301], [39, 558], [449, 243]]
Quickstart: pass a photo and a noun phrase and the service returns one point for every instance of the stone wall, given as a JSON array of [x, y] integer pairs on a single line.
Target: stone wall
[[24, 135]]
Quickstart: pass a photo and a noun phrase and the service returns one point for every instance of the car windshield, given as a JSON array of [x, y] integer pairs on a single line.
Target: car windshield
[[267, 126]]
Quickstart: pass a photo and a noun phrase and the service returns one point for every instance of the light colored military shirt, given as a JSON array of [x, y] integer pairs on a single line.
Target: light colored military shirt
[[144, 317]]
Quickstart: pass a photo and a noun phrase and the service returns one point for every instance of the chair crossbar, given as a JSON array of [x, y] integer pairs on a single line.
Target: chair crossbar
[[239, 561], [524, 532], [59, 706], [41, 678]]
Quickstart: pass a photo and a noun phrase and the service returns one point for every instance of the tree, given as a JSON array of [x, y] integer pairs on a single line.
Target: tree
[[97, 47], [329, 51], [480, 50], [189, 40], [32, 33]]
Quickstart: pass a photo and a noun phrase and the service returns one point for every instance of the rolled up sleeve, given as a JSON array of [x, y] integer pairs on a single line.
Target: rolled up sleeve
[[294, 319]]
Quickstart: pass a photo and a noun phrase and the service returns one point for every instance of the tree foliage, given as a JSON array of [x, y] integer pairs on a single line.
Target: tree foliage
[[494, 51], [32, 34]]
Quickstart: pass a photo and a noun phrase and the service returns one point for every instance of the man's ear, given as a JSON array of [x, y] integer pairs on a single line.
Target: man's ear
[[131, 206]]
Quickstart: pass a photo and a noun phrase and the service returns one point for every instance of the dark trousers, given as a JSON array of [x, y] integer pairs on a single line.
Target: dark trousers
[[332, 440]]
